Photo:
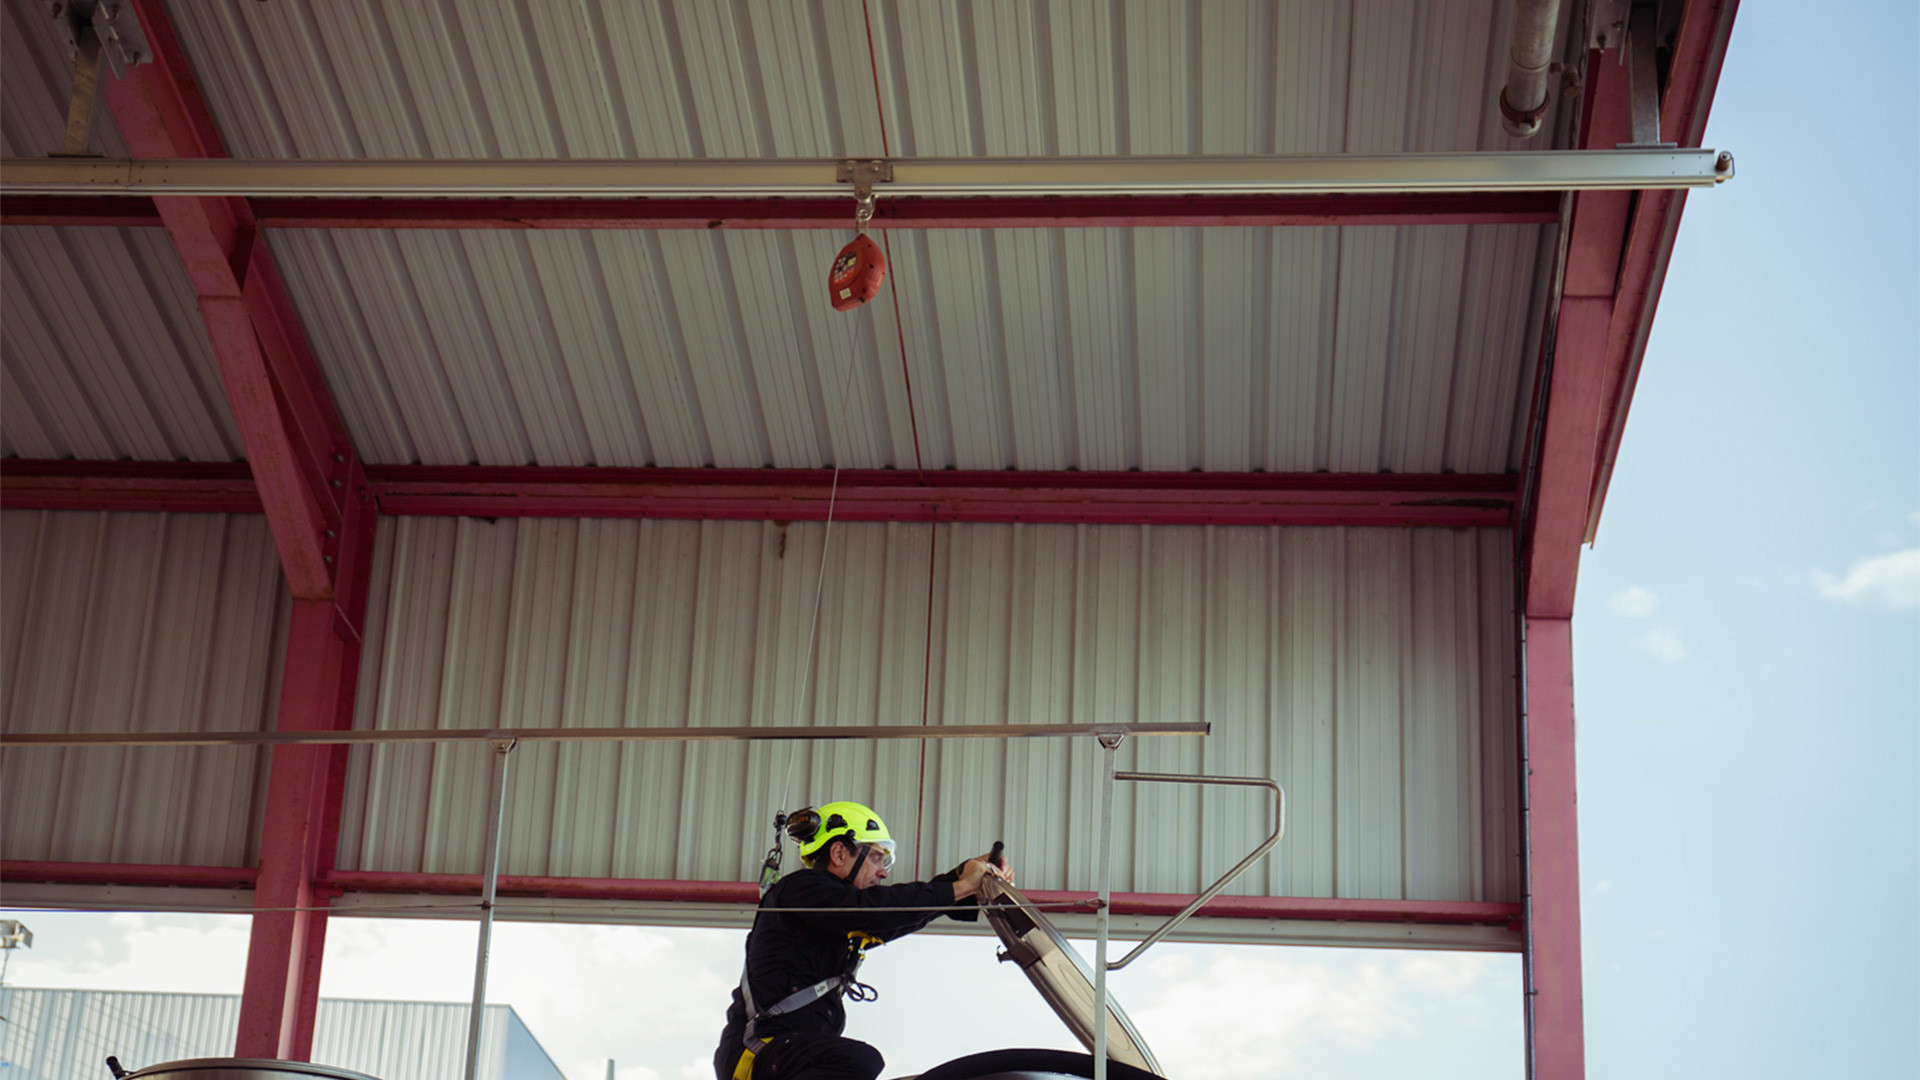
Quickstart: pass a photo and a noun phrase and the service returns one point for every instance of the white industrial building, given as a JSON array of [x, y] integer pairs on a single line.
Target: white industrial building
[[69, 1034]]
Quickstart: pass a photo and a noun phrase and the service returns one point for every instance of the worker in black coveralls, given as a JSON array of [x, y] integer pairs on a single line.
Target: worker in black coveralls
[[800, 962]]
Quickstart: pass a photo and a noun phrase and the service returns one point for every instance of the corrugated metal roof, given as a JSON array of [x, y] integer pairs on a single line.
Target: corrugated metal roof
[[106, 356], [1356, 350], [1225, 349], [765, 78], [67, 1035], [1369, 670], [137, 622]]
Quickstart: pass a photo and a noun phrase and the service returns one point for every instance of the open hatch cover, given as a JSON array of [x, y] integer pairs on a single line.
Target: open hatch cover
[[1060, 974]]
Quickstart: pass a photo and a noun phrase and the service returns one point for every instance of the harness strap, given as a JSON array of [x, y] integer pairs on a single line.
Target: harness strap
[[799, 999]]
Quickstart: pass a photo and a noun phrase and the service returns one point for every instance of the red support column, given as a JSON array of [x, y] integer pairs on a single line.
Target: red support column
[[310, 485], [304, 790], [1556, 1034]]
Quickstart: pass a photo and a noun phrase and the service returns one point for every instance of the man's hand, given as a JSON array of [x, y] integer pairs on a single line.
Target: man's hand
[[976, 870]]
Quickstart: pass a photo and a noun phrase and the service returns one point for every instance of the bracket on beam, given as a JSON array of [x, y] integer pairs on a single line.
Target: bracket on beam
[[1643, 82], [88, 29]]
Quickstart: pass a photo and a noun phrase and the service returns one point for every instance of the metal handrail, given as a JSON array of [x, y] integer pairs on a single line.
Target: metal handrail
[[1279, 826]]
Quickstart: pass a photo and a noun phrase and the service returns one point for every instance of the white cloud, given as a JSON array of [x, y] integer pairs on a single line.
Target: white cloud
[[1889, 582], [1663, 644], [1633, 602]]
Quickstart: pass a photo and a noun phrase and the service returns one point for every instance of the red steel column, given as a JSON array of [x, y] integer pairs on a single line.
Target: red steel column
[[314, 493], [1556, 1034], [304, 791]]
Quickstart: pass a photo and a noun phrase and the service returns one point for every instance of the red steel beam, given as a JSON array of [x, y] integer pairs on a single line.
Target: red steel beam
[[746, 893], [1556, 1031], [974, 496], [295, 443], [1484, 501], [159, 486], [98, 211], [1616, 258], [1562, 474], [1692, 77], [916, 212], [18, 871]]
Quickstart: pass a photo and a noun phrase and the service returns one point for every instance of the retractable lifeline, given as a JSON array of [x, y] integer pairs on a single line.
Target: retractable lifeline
[[861, 266]]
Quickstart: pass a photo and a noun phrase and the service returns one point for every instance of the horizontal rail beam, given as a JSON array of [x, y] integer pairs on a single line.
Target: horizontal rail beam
[[1364, 499], [1328, 909], [770, 733], [1291, 174], [746, 894], [1089, 211]]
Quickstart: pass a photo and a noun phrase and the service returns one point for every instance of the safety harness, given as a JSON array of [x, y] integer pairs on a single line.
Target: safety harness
[[845, 983]]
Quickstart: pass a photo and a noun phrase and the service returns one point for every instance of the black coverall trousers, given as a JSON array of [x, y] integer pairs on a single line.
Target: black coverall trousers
[[809, 1057]]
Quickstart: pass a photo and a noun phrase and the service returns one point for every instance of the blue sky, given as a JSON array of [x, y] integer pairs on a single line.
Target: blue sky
[[1750, 810], [1747, 642]]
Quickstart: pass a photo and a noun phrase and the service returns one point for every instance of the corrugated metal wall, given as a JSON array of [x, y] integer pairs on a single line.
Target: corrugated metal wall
[[1369, 670], [67, 1035], [136, 622]]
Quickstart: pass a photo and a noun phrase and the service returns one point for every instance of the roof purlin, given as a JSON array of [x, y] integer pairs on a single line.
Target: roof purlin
[[1257, 499]]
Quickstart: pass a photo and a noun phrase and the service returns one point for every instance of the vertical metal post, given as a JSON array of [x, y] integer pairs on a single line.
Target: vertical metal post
[[495, 813], [1111, 742]]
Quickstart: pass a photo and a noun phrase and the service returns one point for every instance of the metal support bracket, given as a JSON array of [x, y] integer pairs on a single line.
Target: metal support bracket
[[863, 175], [1643, 81], [113, 23], [90, 29], [1607, 24]]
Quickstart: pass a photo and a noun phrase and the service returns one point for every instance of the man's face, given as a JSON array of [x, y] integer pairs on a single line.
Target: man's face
[[872, 868], [859, 867]]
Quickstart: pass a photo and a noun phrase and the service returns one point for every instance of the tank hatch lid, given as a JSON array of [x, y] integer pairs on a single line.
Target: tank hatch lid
[[1059, 973]]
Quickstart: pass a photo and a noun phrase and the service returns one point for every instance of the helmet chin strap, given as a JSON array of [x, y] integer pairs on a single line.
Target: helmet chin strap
[[860, 853]]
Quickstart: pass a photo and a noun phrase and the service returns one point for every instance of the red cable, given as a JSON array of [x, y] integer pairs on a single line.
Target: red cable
[[919, 466], [873, 61]]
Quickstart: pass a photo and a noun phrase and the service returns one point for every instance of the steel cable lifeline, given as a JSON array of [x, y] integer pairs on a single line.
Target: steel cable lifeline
[[853, 279]]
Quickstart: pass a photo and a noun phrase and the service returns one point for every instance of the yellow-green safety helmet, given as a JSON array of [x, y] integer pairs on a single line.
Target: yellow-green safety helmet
[[857, 823]]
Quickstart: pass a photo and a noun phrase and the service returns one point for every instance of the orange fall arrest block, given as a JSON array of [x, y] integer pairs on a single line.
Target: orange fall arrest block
[[857, 273]]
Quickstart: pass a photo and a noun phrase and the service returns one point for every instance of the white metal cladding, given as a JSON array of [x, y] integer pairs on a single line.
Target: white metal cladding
[[1370, 671], [67, 1035], [137, 622], [106, 355], [1353, 349]]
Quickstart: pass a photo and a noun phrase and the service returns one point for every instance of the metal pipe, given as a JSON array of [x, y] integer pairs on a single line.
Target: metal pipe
[[1279, 174], [1279, 826], [1110, 742], [768, 733], [495, 813], [1523, 101]]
